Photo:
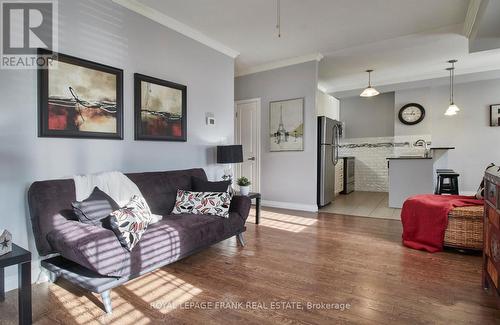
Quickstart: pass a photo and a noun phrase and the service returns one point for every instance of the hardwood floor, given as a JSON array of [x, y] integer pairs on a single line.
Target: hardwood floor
[[291, 257]]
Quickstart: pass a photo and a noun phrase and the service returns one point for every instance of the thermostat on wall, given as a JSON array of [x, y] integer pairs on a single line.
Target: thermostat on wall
[[210, 119]]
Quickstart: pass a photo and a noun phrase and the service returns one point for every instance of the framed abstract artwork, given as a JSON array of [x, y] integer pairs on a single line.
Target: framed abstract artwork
[[495, 115], [286, 123], [160, 109], [79, 98]]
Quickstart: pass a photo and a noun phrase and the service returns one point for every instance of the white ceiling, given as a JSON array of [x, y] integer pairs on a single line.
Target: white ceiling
[[409, 58], [402, 39]]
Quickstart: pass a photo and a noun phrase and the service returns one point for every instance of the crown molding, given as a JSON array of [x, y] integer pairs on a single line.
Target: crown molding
[[471, 17], [176, 25], [280, 64]]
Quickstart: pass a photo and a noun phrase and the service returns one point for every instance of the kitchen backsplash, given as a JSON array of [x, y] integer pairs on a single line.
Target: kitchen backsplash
[[371, 173]]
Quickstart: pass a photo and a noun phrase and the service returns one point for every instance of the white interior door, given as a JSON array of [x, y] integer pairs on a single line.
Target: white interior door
[[247, 133]]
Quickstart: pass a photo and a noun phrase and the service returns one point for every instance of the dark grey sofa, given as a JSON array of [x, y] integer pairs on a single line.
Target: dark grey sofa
[[92, 257]]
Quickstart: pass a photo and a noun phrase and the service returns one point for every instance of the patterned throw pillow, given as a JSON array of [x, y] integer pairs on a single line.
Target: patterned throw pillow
[[213, 203], [210, 203], [184, 202], [131, 221]]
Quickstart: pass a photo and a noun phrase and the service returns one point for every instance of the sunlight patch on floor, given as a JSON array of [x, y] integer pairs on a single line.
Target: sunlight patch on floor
[[162, 290], [283, 221]]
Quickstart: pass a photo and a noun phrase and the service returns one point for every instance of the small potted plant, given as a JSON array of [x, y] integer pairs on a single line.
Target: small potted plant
[[244, 184]]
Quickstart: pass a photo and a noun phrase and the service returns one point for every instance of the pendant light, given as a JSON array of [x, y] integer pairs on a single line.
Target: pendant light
[[452, 108], [369, 91]]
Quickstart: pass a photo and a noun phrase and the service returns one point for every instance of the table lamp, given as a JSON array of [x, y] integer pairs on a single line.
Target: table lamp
[[229, 155]]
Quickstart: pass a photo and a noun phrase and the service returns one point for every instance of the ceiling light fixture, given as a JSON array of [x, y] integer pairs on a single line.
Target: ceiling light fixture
[[278, 17], [369, 91], [452, 109]]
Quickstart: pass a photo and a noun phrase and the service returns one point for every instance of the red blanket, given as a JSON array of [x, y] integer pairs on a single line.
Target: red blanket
[[425, 218]]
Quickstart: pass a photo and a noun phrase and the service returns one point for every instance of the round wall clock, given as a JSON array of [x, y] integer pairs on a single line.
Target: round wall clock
[[411, 114]]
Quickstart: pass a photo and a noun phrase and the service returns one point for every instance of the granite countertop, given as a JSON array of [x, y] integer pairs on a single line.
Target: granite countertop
[[408, 157], [442, 148]]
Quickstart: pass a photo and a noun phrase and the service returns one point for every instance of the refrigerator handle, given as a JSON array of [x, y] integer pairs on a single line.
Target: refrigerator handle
[[338, 143], [334, 143]]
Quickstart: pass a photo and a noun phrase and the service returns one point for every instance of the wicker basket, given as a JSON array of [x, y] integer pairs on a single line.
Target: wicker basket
[[465, 228]]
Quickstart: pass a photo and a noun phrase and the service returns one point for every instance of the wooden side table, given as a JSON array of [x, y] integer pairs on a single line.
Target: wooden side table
[[257, 197], [22, 258]]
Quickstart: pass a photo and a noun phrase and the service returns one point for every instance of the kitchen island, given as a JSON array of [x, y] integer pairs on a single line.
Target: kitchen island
[[412, 175]]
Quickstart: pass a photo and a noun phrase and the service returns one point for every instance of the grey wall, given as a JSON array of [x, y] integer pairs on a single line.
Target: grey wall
[[286, 176], [105, 32], [477, 144], [368, 117]]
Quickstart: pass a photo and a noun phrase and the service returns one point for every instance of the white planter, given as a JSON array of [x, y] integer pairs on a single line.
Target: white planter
[[244, 190]]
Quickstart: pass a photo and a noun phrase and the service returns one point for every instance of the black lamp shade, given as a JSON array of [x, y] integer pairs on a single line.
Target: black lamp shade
[[229, 154]]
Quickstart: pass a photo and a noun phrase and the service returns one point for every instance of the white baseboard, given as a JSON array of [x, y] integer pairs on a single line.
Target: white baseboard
[[290, 206]]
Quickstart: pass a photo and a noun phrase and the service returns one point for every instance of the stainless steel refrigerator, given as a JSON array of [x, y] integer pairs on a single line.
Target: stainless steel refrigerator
[[329, 133]]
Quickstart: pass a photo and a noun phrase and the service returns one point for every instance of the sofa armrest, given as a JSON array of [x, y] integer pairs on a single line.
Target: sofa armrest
[[241, 205], [93, 247]]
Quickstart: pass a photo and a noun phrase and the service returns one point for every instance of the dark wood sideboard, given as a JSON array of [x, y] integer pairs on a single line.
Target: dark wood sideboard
[[491, 252]]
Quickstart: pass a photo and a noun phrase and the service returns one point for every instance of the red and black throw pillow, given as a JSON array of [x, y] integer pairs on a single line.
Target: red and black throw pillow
[[209, 203], [131, 221]]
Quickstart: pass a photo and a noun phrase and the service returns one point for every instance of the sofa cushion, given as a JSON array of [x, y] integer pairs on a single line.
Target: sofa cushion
[[95, 208], [93, 247], [172, 238], [201, 185], [131, 221], [160, 189]]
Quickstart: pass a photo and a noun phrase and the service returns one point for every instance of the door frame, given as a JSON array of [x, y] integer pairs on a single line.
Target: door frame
[[256, 187]]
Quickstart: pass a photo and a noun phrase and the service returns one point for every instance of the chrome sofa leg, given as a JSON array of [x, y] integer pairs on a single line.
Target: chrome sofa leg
[[240, 239], [52, 276], [106, 300]]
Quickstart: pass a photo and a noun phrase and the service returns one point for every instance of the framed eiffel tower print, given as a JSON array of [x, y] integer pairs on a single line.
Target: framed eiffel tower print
[[286, 125]]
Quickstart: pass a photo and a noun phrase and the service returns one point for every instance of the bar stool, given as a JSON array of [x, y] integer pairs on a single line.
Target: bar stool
[[449, 187]]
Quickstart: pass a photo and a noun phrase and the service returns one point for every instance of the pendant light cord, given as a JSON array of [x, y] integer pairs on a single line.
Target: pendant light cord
[[452, 81], [278, 17], [451, 87]]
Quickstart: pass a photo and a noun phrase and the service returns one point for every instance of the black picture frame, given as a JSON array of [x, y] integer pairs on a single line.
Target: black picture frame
[[495, 107], [140, 132], [420, 107], [43, 98]]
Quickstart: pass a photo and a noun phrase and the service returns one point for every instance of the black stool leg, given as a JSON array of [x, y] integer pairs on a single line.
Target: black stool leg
[[455, 185], [441, 184]]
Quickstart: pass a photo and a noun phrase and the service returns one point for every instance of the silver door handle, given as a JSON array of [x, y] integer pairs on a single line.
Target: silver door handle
[[251, 158]]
